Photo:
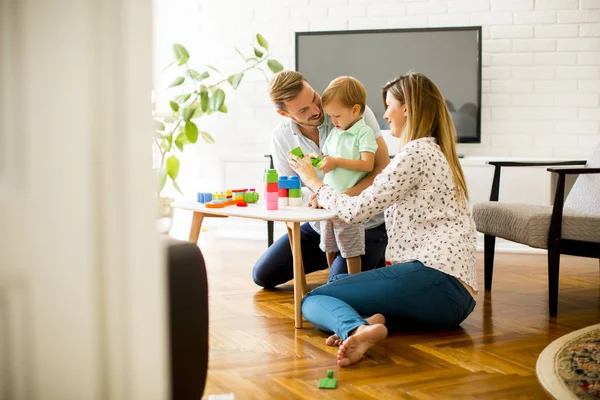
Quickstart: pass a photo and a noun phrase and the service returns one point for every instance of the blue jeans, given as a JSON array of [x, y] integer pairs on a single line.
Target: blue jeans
[[407, 293], [275, 266]]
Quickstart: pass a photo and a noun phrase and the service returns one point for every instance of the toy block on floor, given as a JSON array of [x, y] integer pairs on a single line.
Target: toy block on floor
[[329, 382]]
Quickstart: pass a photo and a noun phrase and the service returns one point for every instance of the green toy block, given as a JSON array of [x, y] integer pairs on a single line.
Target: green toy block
[[329, 382], [271, 176], [316, 162], [294, 193], [250, 197]]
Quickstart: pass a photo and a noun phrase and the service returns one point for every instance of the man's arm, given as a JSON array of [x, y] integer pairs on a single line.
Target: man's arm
[[281, 161], [382, 159]]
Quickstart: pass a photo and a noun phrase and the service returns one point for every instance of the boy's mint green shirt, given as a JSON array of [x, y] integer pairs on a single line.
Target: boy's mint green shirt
[[348, 144]]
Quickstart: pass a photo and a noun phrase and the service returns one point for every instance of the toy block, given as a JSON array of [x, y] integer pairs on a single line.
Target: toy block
[[283, 192], [251, 197], [295, 201], [271, 176], [272, 187], [243, 204], [272, 205], [204, 197], [283, 201], [272, 196], [289, 182], [329, 382], [316, 162], [295, 193]]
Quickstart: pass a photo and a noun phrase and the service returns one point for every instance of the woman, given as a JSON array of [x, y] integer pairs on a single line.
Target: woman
[[431, 233]]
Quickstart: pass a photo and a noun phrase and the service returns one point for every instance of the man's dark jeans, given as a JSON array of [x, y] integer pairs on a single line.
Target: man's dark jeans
[[275, 266]]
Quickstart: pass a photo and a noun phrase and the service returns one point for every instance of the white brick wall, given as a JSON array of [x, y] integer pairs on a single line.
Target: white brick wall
[[541, 64]]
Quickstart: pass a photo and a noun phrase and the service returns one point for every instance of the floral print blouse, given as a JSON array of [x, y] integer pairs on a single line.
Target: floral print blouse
[[424, 219]]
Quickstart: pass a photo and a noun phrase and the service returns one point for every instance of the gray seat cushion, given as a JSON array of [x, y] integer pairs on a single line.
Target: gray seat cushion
[[529, 223]]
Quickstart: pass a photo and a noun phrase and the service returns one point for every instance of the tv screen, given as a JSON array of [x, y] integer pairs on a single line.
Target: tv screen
[[451, 57]]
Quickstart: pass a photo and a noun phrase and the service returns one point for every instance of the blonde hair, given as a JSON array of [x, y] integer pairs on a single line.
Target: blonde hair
[[285, 86], [347, 90], [428, 116]]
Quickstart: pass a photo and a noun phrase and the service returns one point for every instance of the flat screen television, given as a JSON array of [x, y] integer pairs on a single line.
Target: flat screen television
[[451, 57]]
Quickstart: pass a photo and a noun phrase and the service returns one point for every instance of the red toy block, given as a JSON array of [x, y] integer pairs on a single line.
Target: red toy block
[[272, 187], [283, 193]]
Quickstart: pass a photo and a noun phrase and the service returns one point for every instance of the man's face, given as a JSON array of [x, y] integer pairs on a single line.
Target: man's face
[[305, 109]]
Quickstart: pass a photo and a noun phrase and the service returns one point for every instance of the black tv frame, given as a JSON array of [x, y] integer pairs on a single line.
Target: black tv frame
[[478, 29]]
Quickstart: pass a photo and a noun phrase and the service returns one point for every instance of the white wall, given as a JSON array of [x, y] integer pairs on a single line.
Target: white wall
[[541, 73]]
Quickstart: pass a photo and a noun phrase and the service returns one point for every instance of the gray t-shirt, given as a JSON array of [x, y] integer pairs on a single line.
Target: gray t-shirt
[[287, 136]]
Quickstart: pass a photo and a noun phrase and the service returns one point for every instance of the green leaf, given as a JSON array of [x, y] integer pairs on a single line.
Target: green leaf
[[191, 132], [203, 76], [159, 125], [182, 98], [213, 68], [207, 137], [275, 66], [262, 41], [177, 82], [258, 53], [162, 178], [173, 167], [181, 54], [192, 73], [174, 106], [176, 186], [235, 80], [217, 99], [187, 113], [169, 142], [181, 141], [197, 113], [204, 100], [224, 109]]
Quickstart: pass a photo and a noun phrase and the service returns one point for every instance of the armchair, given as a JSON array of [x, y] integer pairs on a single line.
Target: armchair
[[570, 226]]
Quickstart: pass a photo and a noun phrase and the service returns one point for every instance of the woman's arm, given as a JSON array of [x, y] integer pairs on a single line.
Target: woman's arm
[[391, 185]]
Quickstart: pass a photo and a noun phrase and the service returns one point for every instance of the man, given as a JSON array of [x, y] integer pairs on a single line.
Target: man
[[307, 127]]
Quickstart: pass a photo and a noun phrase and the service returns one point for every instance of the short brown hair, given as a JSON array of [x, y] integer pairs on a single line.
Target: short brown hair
[[347, 90], [285, 86]]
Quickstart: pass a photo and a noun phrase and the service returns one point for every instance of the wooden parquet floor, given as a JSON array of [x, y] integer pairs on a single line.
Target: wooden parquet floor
[[255, 352]]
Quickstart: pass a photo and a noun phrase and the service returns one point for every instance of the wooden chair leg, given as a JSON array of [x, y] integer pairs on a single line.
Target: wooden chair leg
[[489, 245], [553, 270]]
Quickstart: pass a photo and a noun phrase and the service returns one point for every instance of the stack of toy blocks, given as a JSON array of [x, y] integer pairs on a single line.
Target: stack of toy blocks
[[290, 191], [271, 190]]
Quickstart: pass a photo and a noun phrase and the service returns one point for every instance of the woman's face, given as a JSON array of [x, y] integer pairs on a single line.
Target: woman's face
[[395, 114]]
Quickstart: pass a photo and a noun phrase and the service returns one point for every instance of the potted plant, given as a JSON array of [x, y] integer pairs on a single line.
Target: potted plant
[[199, 94]]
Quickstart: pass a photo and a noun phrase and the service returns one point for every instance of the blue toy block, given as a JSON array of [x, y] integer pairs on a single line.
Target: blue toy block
[[203, 197], [289, 182]]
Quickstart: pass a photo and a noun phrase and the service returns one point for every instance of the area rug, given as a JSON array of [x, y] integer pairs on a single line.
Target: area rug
[[569, 368]]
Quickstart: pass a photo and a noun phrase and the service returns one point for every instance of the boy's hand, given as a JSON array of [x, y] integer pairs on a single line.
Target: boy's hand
[[329, 163]]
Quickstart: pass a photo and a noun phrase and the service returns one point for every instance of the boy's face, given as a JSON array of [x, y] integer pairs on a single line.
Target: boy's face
[[341, 116]]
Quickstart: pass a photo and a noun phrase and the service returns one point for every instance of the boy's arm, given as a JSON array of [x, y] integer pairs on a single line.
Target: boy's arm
[[365, 164], [382, 159]]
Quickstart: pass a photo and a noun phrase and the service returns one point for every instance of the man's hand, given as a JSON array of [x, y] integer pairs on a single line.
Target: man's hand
[[328, 164]]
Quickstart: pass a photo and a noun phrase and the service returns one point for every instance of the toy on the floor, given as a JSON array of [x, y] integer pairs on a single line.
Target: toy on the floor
[[329, 382], [271, 189], [221, 199], [290, 191], [316, 162]]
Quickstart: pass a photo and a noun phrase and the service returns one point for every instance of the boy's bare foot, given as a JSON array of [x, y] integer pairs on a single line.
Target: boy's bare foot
[[365, 337], [334, 340]]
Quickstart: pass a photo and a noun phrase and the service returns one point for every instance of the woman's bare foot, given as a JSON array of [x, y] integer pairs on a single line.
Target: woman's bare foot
[[365, 337], [334, 340]]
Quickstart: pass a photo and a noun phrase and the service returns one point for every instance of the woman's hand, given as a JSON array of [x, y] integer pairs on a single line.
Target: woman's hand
[[313, 202], [328, 164], [305, 170]]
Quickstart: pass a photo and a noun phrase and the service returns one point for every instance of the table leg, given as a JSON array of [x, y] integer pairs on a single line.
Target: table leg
[[300, 288], [196, 225]]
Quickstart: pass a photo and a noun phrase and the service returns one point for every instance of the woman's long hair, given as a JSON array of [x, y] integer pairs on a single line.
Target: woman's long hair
[[428, 116]]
